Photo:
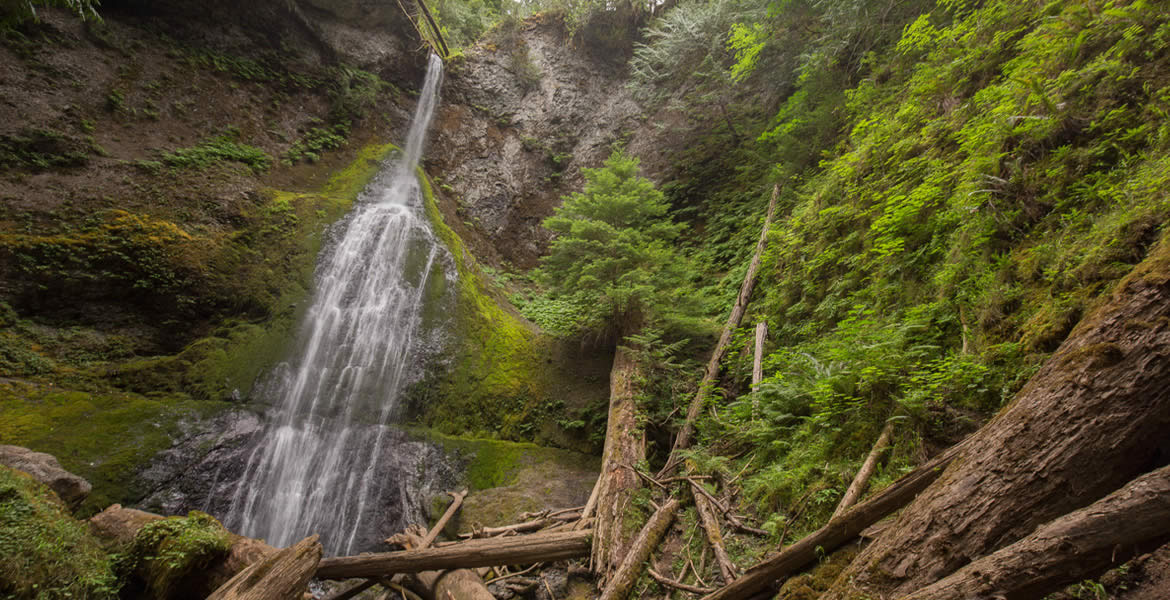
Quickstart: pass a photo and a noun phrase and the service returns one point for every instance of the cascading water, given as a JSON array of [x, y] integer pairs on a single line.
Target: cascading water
[[320, 463]]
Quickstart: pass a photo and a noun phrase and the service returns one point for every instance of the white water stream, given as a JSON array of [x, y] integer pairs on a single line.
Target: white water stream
[[319, 465]]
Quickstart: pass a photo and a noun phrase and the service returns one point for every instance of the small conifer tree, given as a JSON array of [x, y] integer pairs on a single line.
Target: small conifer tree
[[614, 255]]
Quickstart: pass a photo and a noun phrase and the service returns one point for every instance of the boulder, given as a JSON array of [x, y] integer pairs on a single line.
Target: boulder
[[72, 489], [117, 526]]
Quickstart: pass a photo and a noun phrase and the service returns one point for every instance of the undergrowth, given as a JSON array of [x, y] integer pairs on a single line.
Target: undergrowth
[[44, 553]]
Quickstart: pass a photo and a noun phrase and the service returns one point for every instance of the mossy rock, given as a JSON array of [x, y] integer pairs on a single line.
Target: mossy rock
[[503, 377], [507, 479], [105, 436], [166, 555], [44, 552]]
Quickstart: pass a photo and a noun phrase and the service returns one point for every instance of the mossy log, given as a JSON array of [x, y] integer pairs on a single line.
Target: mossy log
[[279, 576], [1100, 405], [624, 448], [1072, 548], [488, 552], [618, 587], [710, 522]]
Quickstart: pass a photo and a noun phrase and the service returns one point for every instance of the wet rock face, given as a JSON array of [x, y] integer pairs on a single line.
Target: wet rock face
[[70, 488], [204, 470], [521, 115], [373, 35]]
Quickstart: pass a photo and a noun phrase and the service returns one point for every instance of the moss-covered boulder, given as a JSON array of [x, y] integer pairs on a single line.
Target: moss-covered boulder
[[45, 554], [169, 558]]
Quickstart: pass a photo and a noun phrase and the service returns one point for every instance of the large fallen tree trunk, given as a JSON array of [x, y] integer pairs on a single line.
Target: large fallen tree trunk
[[624, 449], [1093, 418], [683, 440], [487, 552], [1072, 548], [838, 531], [278, 576]]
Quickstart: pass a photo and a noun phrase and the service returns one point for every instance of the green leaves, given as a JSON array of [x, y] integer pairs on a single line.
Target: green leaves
[[613, 257]]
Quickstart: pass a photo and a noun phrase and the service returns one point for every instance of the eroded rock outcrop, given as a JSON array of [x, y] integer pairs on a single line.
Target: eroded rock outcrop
[[522, 113], [44, 468]]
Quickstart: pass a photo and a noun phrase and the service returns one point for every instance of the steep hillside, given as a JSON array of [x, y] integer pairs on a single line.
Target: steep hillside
[[167, 180]]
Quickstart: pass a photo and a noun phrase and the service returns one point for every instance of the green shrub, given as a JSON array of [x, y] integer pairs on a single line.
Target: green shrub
[[216, 150]]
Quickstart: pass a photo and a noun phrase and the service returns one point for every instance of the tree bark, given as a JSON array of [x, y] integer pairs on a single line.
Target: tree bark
[[838, 531], [1072, 548], [511, 550], [457, 584], [861, 481], [758, 366], [710, 522], [1100, 406], [618, 587], [623, 451], [683, 440], [278, 576]]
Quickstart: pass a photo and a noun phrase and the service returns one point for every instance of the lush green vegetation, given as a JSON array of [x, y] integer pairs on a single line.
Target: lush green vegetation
[[961, 183], [613, 262], [44, 553], [166, 551], [218, 149]]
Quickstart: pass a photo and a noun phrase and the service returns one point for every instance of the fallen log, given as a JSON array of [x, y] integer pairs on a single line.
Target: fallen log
[[278, 576], [710, 523], [1072, 548], [509, 550], [525, 527], [456, 502], [618, 587], [839, 530], [441, 49], [455, 584], [861, 481], [683, 440]]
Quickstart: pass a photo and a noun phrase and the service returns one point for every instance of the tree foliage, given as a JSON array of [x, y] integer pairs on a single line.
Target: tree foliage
[[613, 257]]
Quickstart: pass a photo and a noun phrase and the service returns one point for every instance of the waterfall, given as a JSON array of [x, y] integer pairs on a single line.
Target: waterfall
[[319, 465]]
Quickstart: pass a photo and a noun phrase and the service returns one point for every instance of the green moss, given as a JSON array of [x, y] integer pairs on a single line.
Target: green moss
[[165, 552], [104, 436], [44, 553], [494, 382], [268, 269], [509, 478]]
